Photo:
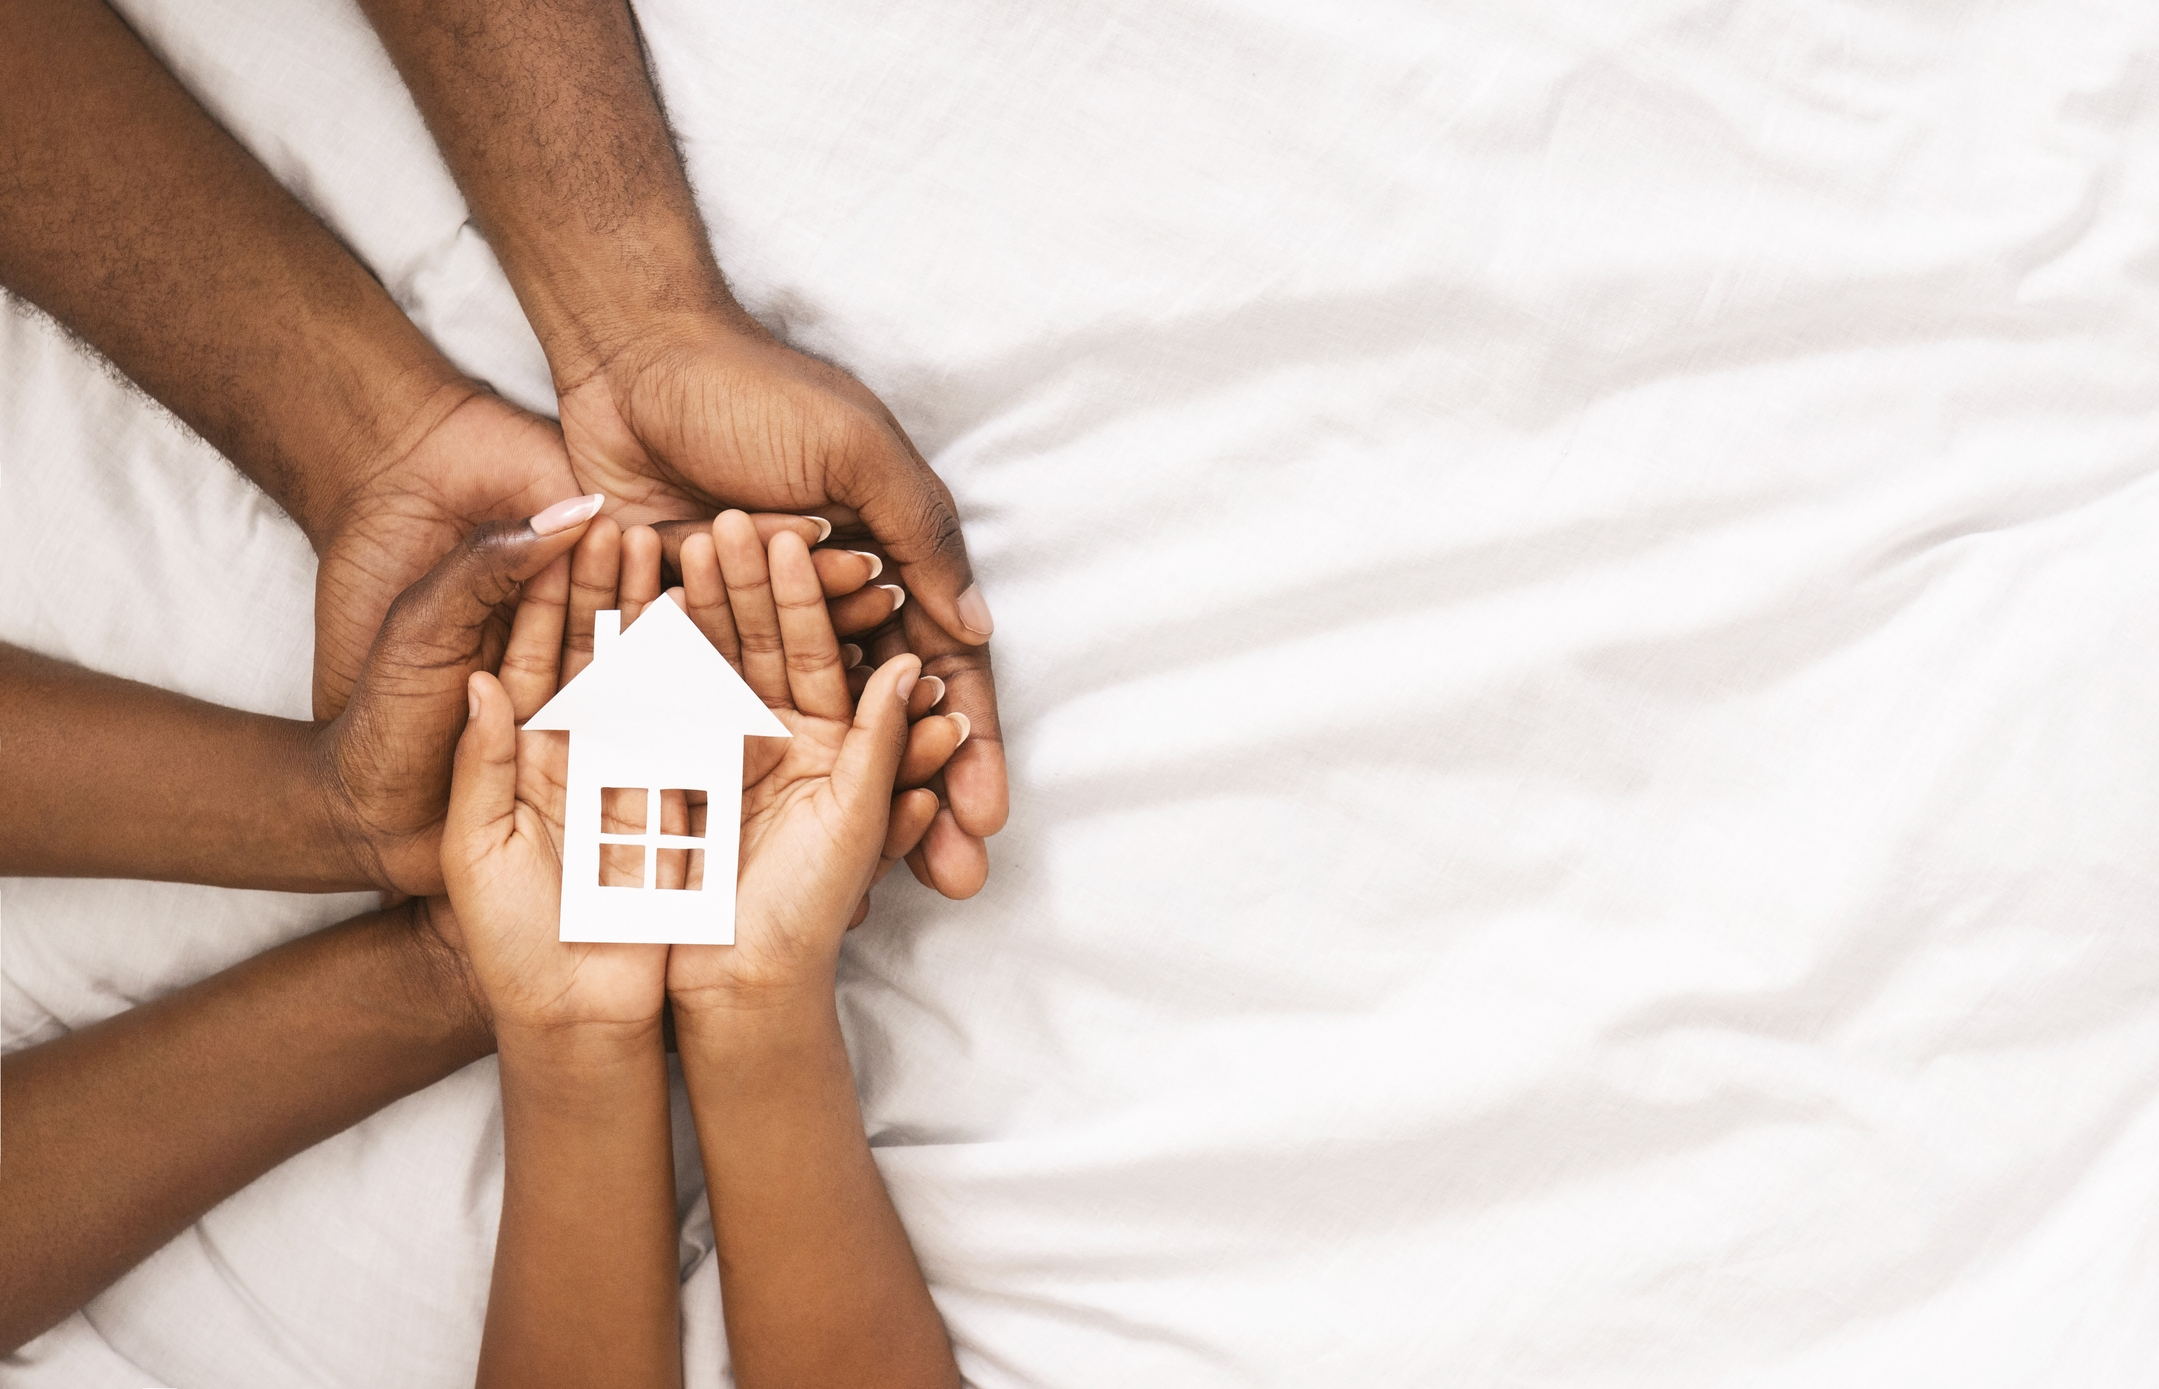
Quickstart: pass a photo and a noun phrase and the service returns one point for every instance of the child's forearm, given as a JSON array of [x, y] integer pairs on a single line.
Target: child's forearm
[[819, 1283], [115, 1138], [585, 1286], [108, 778]]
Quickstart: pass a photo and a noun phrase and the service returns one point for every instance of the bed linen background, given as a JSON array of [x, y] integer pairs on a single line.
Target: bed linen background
[[1576, 618]]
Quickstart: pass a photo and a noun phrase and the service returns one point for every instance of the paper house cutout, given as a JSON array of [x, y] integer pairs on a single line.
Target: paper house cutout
[[658, 708]]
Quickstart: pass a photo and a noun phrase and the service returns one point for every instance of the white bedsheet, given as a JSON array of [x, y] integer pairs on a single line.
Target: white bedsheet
[[1576, 618]]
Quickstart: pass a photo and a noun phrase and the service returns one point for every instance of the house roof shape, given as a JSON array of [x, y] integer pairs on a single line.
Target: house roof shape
[[662, 676]]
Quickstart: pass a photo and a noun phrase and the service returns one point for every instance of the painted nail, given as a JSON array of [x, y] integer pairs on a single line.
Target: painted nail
[[899, 595], [906, 685], [850, 655], [877, 566], [965, 727], [563, 515], [824, 529], [975, 611], [937, 689]]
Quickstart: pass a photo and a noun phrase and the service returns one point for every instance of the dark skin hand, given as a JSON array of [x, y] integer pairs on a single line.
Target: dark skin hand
[[216, 796], [673, 399], [146, 230], [116, 1138], [220, 295]]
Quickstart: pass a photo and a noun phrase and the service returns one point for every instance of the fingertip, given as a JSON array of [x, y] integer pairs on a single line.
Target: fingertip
[[958, 862], [567, 515], [977, 786], [906, 669], [786, 544]]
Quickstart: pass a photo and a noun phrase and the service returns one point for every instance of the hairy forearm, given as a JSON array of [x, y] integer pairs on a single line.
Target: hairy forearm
[[819, 1283], [548, 118], [138, 223], [585, 1289], [110, 778], [117, 1137]]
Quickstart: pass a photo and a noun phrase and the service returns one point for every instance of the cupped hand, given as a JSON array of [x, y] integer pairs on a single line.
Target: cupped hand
[[481, 460], [821, 823], [502, 849], [709, 413], [384, 762]]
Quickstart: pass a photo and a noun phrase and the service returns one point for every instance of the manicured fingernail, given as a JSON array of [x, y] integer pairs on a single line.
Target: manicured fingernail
[[824, 529], [899, 595], [877, 566], [906, 685], [563, 515], [937, 689], [975, 611], [850, 655], [965, 727], [472, 702]]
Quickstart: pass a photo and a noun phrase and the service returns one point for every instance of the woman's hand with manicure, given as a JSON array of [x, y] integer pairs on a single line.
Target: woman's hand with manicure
[[383, 764]]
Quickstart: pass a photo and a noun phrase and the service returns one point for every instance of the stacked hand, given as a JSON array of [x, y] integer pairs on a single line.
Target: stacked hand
[[708, 410], [684, 422], [825, 812]]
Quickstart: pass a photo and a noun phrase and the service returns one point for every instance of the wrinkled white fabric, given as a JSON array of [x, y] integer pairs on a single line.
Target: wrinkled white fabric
[[1576, 624]]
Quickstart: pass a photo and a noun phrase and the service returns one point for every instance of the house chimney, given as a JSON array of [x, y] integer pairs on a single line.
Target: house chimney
[[606, 626]]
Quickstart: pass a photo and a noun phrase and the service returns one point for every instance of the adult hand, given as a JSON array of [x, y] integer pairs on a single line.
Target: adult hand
[[472, 458], [711, 411], [384, 762]]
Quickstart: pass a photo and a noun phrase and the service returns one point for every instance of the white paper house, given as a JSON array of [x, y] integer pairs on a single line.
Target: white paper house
[[658, 709]]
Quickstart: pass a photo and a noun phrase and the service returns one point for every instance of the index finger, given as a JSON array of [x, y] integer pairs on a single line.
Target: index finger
[[532, 661]]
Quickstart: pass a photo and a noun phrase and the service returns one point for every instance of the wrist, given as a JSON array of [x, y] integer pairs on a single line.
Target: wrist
[[309, 831], [377, 443], [578, 1057], [597, 336], [430, 977], [380, 841], [749, 1020]]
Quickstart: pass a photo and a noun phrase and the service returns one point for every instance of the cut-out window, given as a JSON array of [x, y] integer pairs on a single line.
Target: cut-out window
[[683, 812], [649, 838], [683, 869], [622, 809]]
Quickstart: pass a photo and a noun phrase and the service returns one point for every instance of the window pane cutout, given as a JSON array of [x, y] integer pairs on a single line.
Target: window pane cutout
[[658, 710], [636, 851]]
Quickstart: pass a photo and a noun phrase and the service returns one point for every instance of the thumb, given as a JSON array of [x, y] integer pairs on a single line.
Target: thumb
[[483, 778], [910, 511], [869, 760], [441, 616]]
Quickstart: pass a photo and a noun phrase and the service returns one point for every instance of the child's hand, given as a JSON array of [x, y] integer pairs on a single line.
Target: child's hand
[[502, 844], [819, 818]]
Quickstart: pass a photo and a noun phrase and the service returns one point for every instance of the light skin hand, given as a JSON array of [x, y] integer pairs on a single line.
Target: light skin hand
[[735, 597], [584, 1288], [819, 1284]]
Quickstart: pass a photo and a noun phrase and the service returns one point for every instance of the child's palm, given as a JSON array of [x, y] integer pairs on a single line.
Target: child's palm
[[815, 819], [512, 920], [806, 860]]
